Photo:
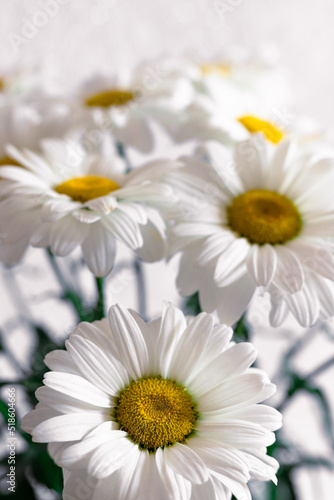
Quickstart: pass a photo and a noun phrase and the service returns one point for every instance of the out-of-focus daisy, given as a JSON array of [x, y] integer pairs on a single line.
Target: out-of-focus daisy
[[28, 113], [166, 409], [125, 103], [234, 99], [67, 198], [265, 219], [229, 113]]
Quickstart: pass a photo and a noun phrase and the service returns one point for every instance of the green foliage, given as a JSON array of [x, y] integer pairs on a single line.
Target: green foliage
[[192, 306]]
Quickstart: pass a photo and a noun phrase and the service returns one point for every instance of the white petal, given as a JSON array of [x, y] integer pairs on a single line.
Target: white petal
[[316, 257], [263, 415], [261, 264], [130, 342], [60, 361], [112, 455], [63, 403], [213, 246], [182, 460], [262, 467], [242, 390], [66, 234], [289, 274], [233, 361], [234, 300], [172, 327], [304, 305], [76, 456], [236, 433], [154, 236], [190, 348], [251, 162], [35, 417], [123, 228], [179, 487], [220, 458], [69, 427], [99, 250], [104, 204], [77, 387], [231, 264], [55, 209], [78, 485], [95, 365]]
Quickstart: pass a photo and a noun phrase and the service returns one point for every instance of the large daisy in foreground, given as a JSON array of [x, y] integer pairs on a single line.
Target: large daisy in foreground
[[68, 198], [265, 219], [163, 410]]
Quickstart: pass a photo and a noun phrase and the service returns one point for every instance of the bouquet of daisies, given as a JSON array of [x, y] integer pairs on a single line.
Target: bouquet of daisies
[[135, 405]]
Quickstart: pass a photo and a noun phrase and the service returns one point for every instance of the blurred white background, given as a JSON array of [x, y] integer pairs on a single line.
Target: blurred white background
[[70, 39]]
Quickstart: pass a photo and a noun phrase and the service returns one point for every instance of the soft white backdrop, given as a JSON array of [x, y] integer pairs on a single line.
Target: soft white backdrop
[[71, 38]]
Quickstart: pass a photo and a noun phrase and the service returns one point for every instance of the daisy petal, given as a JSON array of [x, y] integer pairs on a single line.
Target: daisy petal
[[99, 250], [130, 341], [261, 264], [182, 460]]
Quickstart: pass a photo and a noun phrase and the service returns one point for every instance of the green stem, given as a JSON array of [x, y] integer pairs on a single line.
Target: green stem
[[241, 331], [141, 289], [99, 310], [317, 371], [122, 153], [68, 293], [303, 382]]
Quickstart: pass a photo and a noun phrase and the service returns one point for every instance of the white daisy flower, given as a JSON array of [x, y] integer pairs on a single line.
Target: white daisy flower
[[264, 220], [166, 409], [228, 112], [67, 198], [126, 103], [28, 113], [234, 99]]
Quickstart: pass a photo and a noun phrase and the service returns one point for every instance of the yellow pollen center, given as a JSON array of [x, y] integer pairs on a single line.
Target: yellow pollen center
[[254, 124], [6, 160], [156, 412], [215, 69], [113, 97], [263, 217], [86, 188]]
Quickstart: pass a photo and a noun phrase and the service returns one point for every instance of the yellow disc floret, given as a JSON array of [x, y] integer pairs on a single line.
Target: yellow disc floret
[[215, 69], [86, 188], [254, 124], [6, 160], [156, 412], [264, 216], [114, 97]]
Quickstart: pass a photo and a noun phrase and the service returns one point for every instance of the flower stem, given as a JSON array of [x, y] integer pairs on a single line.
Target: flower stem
[[122, 153], [241, 331], [141, 289], [304, 383], [99, 310], [327, 364], [68, 294]]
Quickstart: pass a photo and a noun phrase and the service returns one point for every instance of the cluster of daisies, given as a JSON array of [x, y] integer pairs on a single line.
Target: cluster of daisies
[[169, 407]]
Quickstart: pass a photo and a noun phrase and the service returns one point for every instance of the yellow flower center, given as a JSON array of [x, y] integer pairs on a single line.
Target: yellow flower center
[[254, 124], [264, 216], [215, 69], [86, 188], [156, 412], [114, 97], [6, 160]]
